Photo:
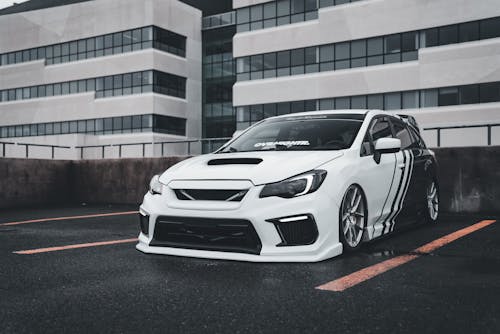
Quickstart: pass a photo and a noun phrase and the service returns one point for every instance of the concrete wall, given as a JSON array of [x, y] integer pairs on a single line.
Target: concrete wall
[[469, 179], [29, 182]]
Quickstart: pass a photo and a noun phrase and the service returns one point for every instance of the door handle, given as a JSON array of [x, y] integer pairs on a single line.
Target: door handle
[[401, 166]]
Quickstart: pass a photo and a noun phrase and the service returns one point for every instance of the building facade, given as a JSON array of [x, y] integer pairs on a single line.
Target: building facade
[[101, 72], [110, 72], [437, 60]]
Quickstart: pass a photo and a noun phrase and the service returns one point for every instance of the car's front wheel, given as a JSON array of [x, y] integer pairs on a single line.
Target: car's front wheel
[[353, 215]]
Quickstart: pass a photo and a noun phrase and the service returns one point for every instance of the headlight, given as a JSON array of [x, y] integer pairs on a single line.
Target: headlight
[[155, 187], [296, 186]]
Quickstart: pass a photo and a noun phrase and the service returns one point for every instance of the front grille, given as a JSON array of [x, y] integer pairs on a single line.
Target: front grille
[[296, 233], [226, 235], [210, 195]]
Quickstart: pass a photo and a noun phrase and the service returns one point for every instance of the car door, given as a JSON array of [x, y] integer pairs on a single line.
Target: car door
[[376, 178], [412, 182]]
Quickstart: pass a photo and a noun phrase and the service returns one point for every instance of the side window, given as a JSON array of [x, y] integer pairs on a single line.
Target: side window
[[379, 128], [402, 133], [419, 142]]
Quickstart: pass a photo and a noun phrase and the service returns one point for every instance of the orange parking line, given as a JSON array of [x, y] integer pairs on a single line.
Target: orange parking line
[[365, 274], [69, 217], [60, 248]]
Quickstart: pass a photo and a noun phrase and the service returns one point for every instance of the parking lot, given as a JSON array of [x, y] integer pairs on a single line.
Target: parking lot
[[75, 269]]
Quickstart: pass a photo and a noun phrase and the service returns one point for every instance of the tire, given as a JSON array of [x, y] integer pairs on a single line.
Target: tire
[[352, 218], [432, 202]]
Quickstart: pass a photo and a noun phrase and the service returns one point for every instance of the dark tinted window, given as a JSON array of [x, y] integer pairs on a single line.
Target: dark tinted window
[[379, 128], [401, 132]]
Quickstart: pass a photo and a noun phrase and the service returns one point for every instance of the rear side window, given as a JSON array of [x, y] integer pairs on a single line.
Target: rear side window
[[401, 132], [379, 128], [419, 142]]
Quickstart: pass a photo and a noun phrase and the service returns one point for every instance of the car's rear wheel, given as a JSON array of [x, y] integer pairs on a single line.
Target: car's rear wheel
[[432, 202], [353, 215]]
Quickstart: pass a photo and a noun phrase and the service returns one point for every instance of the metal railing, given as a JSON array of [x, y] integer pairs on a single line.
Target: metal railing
[[440, 129], [28, 145], [206, 145]]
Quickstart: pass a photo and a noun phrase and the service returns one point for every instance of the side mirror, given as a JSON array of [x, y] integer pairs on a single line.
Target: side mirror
[[384, 146], [237, 133]]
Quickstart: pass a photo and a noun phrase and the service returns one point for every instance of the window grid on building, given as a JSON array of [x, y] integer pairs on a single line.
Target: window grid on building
[[112, 85], [435, 97], [100, 126], [394, 48], [104, 45], [275, 13]]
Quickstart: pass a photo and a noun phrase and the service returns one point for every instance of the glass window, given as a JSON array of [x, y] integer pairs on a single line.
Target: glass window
[[428, 98], [358, 49], [410, 100], [448, 35], [283, 7], [256, 13], [376, 101], [490, 28], [469, 94], [243, 15], [392, 44], [448, 96], [375, 46], [429, 38], [392, 101], [402, 134], [358, 102], [256, 63], [469, 31], [283, 58], [297, 57], [490, 92], [270, 61], [342, 51], [326, 53], [409, 41], [269, 10]]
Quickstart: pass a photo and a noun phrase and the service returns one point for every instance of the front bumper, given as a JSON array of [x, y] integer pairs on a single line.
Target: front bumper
[[261, 213]]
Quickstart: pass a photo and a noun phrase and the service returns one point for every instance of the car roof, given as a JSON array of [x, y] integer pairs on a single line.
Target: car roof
[[366, 112]]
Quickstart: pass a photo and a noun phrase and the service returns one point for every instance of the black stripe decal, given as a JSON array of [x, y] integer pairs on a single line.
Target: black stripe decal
[[389, 216], [407, 185]]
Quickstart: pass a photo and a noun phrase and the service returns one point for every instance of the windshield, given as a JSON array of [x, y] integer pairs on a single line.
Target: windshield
[[325, 132]]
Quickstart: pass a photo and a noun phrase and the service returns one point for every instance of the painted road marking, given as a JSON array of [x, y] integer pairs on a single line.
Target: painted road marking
[[365, 274], [70, 217], [87, 245]]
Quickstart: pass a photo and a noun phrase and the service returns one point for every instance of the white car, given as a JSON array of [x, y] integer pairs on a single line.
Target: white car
[[294, 188]]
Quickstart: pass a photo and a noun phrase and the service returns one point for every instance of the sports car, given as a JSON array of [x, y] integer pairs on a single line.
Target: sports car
[[294, 188]]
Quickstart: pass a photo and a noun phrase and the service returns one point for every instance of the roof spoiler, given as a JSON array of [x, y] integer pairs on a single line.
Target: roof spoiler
[[410, 120]]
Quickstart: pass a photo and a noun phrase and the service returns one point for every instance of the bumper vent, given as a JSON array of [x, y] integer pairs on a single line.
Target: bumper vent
[[296, 231], [226, 235], [210, 195], [144, 224]]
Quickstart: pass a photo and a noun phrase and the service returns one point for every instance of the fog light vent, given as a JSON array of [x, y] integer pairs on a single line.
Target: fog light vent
[[297, 230], [144, 224]]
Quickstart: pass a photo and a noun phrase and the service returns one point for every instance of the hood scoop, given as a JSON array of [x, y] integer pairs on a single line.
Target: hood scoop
[[234, 161]]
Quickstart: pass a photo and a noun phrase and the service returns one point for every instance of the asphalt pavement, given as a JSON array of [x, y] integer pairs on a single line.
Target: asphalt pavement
[[83, 275]]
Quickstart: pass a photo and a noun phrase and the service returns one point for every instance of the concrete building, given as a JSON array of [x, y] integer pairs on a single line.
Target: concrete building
[[101, 72], [438, 60], [108, 72]]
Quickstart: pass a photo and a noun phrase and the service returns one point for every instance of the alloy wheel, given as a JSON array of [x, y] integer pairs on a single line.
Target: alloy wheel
[[433, 201], [353, 216]]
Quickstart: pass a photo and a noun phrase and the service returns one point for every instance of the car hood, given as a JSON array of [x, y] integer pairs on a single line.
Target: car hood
[[275, 166]]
